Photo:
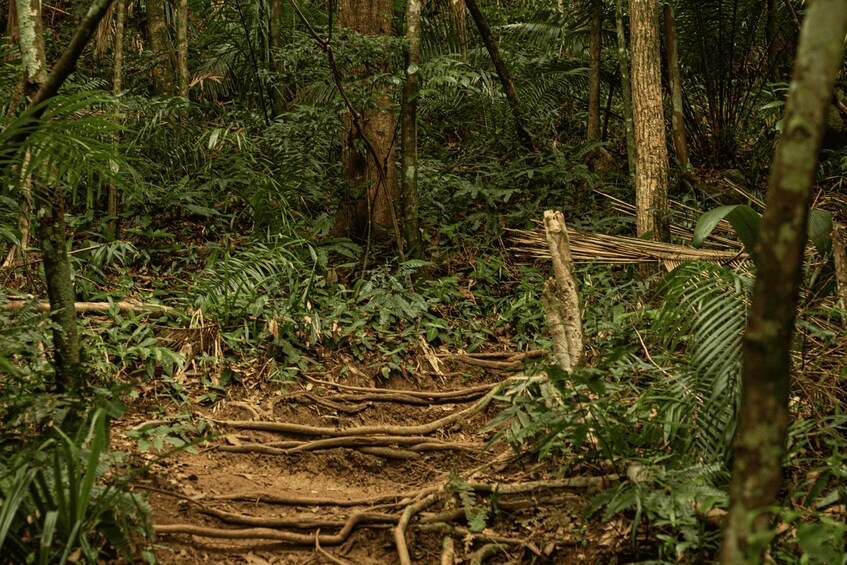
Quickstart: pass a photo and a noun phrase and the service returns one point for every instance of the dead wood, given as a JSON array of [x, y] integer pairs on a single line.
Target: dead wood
[[123, 306]]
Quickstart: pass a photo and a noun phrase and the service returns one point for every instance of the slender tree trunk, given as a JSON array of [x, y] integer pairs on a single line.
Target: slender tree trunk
[[160, 45], [60, 291], [409, 133], [502, 73], [51, 216], [626, 87], [461, 27], [117, 80], [595, 52], [182, 46], [651, 166], [677, 124], [374, 206], [770, 37], [30, 36], [760, 444], [278, 97]]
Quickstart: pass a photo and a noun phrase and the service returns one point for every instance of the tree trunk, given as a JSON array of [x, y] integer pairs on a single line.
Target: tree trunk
[[31, 39], [160, 45], [626, 87], [60, 291], [677, 124], [372, 169], [278, 92], [182, 46], [760, 444], [461, 29], [117, 80], [595, 52], [502, 73], [651, 155], [51, 215], [409, 133]]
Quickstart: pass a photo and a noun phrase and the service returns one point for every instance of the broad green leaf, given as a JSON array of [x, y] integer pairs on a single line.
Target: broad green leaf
[[820, 226], [743, 218]]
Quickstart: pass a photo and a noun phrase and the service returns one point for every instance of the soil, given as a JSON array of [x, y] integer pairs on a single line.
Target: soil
[[354, 456]]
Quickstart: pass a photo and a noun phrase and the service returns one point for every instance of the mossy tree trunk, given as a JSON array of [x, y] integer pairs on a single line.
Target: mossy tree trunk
[[760, 444], [49, 205], [182, 47], [409, 133]]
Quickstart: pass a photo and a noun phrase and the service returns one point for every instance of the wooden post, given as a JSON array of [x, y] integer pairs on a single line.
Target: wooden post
[[560, 296]]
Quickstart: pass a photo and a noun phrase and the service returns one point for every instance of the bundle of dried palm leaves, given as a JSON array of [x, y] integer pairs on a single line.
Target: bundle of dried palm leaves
[[602, 248], [612, 249]]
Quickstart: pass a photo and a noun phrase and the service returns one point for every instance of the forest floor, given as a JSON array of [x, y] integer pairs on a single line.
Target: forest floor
[[338, 466]]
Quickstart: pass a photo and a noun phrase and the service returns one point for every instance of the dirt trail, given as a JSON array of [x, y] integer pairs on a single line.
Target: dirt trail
[[347, 472]]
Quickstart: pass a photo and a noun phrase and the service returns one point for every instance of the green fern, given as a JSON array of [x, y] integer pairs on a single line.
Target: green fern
[[704, 313]]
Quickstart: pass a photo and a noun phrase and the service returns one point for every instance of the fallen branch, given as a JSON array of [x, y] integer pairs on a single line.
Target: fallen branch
[[124, 307]]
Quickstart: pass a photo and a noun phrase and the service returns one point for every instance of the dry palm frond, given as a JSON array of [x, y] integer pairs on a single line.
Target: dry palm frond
[[602, 248]]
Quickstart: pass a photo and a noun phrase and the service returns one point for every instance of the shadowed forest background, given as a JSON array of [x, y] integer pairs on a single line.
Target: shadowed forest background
[[276, 281]]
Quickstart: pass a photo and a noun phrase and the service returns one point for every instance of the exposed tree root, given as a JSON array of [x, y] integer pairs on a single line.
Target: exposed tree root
[[284, 427], [403, 524], [414, 444]]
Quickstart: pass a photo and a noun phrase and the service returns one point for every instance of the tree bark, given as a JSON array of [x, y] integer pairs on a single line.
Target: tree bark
[[409, 133], [760, 444], [182, 47], [374, 205], [651, 155], [626, 87], [160, 45], [502, 72], [594, 54], [675, 79], [31, 41]]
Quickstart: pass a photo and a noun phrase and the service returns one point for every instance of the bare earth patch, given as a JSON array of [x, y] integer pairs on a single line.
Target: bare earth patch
[[334, 470]]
